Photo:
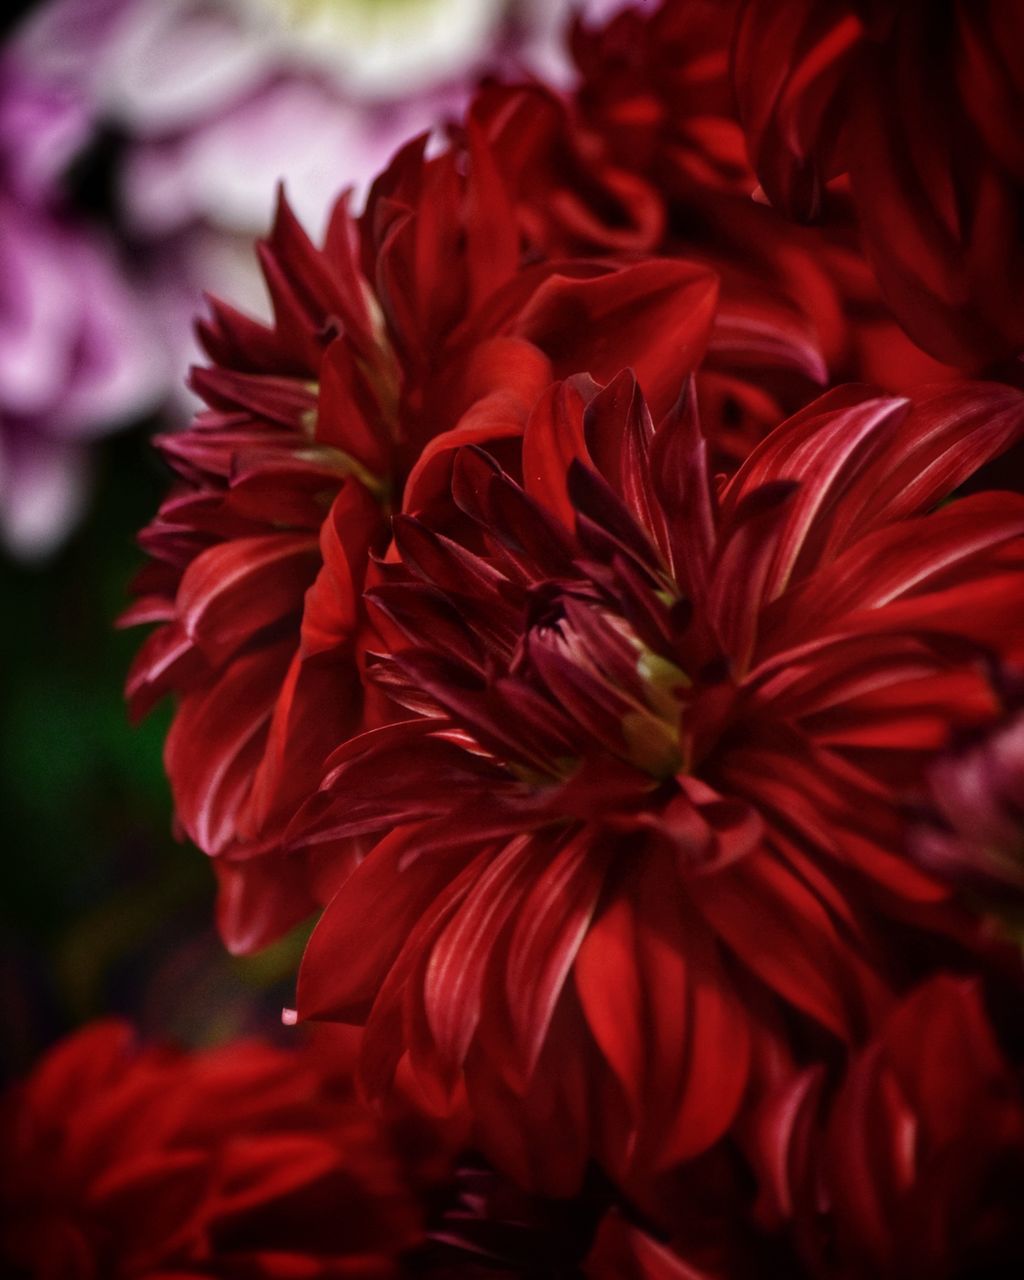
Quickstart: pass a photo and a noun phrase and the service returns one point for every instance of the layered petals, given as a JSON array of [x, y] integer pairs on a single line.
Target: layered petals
[[378, 366], [936, 175], [915, 1159], [121, 1160], [657, 760]]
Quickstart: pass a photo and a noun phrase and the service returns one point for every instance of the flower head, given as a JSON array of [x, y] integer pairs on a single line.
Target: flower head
[[427, 324], [656, 766], [77, 354], [970, 828], [915, 1162], [128, 1161]]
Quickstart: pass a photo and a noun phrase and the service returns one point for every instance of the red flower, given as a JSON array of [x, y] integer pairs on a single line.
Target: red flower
[[655, 85], [919, 104], [120, 1161], [647, 157], [971, 828], [654, 122], [419, 328], [915, 1164], [658, 761]]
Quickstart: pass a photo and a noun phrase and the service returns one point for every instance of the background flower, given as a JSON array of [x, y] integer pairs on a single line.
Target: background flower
[[198, 111], [77, 356], [915, 105], [129, 1161], [915, 1160]]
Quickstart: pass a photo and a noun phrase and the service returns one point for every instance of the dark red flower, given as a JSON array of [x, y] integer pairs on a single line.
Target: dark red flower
[[919, 105], [661, 743], [654, 121], [654, 83], [780, 328], [970, 829], [247, 1161], [915, 1164], [419, 328]]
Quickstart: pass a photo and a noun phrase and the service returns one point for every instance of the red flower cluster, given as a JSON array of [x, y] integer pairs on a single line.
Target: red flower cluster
[[122, 1161], [592, 593], [346, 410]]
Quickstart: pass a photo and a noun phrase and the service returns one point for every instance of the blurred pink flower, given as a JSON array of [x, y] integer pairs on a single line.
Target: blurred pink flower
[[217, 101], [75, 355]]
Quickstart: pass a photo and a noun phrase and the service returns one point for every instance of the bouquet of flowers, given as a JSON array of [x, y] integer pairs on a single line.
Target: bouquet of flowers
[[594, 596]]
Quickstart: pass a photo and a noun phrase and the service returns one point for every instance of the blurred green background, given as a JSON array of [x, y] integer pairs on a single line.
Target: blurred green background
[[101, 909]]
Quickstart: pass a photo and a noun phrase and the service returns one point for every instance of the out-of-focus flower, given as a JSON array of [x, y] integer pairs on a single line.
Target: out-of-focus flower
[[658, 759], [971, 829], [419, 328], [656, 94], [76, 355], [325, 89], [915, 1164], [127, 1161], [214, 102], [918, 105]]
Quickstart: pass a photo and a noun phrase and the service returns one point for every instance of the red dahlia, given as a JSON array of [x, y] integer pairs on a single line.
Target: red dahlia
[[120, 1161], [919, 105], [915, 1164], [656, 768], [654, 121], [418, 328]]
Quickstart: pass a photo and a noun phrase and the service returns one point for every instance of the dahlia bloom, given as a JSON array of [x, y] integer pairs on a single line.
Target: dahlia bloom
[[418, 328], [656, 96], [127, 1161], [654, 771], [77, 358], [917, 106], [914, 1165]]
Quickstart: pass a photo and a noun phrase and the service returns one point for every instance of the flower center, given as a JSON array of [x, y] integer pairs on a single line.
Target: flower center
[[625, 698]]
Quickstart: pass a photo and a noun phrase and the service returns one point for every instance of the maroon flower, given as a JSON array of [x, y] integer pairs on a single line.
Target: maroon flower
[[415, 330], [651, 156], [971, 829], [919, 105], [122, 1161], [656, 767], [915, 1164]]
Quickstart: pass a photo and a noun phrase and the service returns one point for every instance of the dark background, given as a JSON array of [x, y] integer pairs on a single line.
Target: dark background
[[101, 909]]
